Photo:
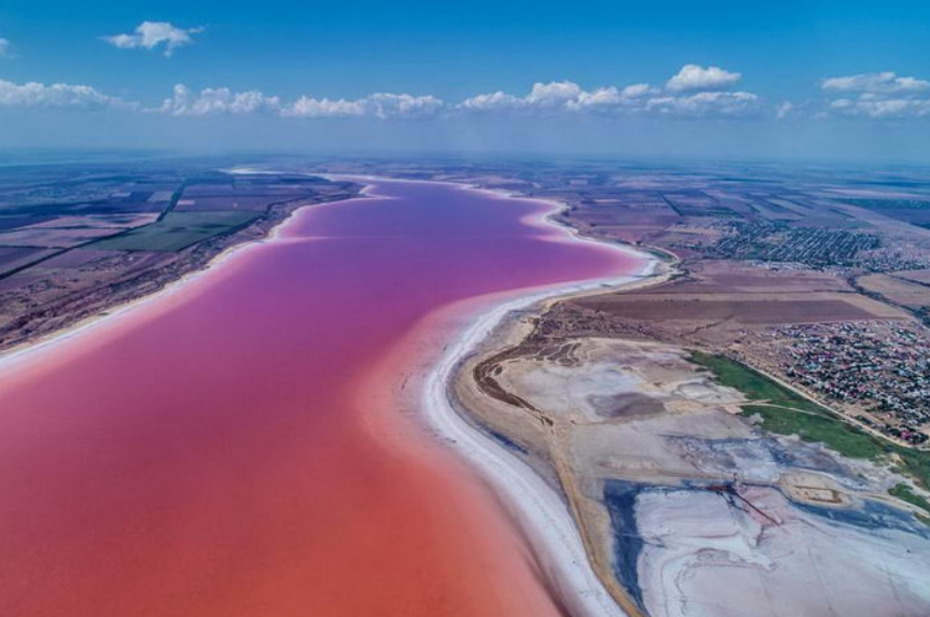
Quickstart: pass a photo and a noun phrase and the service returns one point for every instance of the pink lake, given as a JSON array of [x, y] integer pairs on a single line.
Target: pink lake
[[211, 452]]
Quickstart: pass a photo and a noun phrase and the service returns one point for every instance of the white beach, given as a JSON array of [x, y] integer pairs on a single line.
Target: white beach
[[541, 511]]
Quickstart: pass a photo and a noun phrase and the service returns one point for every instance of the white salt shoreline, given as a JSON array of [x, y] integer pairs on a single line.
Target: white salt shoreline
[[541, 511]]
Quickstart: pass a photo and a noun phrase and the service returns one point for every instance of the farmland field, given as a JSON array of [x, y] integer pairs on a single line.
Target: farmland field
[[755, 385], [897, 290], [177, 231], [13, 257], [913, 211], [49, 237], [230, 202]]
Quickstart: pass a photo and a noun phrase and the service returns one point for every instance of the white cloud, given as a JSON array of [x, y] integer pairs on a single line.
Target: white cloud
[[388, 105], [382, 105], [151, 34], [6, 48], [602, 98], [882, 108], [493, 101], [783, 109], [558, 95], [69, 96], [705, 104], [552, 95], [878, 96], [694, 77], [309, 107], [636, 98], [611, 98], [183, 102], [544, 98], [637, 90], [875, 83], [378, 105]]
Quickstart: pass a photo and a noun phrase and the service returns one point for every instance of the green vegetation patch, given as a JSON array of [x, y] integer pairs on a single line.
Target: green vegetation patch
[[835, 434], [752, 383], [845, 438], [914, 463], [788, 413], [904, 492], [177, 230]]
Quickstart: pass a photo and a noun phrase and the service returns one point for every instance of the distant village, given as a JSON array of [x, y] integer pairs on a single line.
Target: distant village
[[879, 371]]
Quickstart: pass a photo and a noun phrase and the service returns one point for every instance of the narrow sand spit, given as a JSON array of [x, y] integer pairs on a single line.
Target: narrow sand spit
[[541, 511]]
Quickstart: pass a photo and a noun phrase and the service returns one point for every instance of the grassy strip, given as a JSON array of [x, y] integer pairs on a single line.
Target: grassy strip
[[845, 438], [753, 384], [904, 492], [824, 427], [177, 230], [835, 434]]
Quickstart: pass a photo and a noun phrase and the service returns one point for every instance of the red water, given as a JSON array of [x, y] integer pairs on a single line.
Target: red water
[[208, 453]]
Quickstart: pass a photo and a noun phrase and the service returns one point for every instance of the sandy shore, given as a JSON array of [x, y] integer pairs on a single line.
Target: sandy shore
[[540, 509]]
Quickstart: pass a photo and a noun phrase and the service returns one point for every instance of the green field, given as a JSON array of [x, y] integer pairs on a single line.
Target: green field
[[903, 491], [755, 385], [795, 415], [177, 230], [835, 434]]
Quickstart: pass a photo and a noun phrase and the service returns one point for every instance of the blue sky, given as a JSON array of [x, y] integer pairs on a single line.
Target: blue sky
[[789, 78]]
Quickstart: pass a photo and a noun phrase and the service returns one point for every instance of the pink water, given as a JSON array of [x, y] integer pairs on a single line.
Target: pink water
[[211, 453]]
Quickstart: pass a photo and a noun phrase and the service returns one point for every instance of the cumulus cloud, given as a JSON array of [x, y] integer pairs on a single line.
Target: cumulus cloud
[[878, 96], [552, 95], [611, 98], [783, 109], [635, 98], [151, 34], [492, 101], [545, 98], [183, 102], [695, 77], [882, 108], [61, 96], [875, 83], [310, 107], [557, 95], [388, 105], [378, 105], [705, 104]]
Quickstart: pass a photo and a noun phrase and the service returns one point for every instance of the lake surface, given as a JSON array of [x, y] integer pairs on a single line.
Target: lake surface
[[223, 450]]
